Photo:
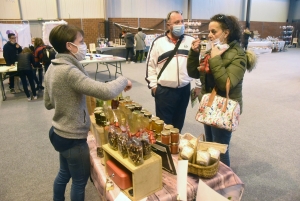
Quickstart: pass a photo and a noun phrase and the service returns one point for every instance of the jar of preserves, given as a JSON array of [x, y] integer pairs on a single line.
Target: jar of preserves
[[165, 137], [174, 148], [174, 135]]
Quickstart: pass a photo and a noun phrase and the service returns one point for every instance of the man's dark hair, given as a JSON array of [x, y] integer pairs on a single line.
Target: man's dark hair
[[10, 35], [62, 34], [140, 29]]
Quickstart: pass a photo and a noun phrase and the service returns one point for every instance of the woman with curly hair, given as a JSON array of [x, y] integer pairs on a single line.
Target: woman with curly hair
[[226, 59]]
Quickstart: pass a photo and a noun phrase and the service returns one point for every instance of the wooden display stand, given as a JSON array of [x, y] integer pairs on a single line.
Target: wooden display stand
[[146, 178]]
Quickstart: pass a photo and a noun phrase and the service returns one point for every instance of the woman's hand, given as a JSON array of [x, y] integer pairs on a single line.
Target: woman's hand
[[196, 45], [129, 86], [215, 50]]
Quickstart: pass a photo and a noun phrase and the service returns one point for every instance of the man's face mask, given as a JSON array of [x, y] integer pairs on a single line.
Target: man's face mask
[[178, 30]]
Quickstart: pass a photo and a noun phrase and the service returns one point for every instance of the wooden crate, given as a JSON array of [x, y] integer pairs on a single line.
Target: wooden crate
[[146, 178]]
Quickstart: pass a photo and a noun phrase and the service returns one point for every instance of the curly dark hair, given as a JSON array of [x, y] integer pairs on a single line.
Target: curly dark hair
[[231, 23]]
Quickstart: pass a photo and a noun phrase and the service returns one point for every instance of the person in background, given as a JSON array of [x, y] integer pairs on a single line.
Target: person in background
[[31, 46], [246, 35], [10, 53], [38, 56], [172, 90], [140, 45], [25, 63], [129, 45], [229, 62], [66, 86]]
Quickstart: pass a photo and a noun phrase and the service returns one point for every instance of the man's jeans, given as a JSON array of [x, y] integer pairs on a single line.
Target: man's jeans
[[75, 163]]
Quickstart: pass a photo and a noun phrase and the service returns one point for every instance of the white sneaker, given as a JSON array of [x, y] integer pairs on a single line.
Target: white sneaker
[[29, 98], [132, 62], [34, 97], [127, 62]]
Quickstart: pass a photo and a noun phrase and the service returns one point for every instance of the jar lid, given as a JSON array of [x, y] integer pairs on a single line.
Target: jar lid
[[168, 126], [174, 130], [165, 132], [159, 122], [154, 118]]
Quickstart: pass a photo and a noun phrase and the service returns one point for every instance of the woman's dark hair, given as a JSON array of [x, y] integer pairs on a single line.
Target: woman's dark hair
[[38, 42], [62, 34], [231, 23]]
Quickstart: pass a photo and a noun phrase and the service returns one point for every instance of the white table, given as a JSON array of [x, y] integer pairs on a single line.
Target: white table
[[5, 69], [260, 44], [105, 60]]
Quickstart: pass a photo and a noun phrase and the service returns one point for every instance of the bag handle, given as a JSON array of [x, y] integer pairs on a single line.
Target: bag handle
[[214, 93], [171, 56]]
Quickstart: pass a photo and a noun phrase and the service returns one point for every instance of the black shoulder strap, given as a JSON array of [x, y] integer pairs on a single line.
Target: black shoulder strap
[[171, 56]]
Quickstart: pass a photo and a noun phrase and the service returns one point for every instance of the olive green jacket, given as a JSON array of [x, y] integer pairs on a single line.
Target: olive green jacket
[[232, 63]]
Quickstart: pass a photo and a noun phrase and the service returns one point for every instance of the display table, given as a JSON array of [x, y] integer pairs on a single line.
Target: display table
[[261, 47], [105, 60], [226, 182], [119, 51], [5, 69]]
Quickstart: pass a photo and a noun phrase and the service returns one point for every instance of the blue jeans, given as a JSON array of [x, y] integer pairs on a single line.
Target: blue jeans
[[222, 136], [75, 163]]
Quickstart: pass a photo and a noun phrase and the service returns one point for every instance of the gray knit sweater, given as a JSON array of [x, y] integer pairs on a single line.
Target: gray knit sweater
[[66, 84]]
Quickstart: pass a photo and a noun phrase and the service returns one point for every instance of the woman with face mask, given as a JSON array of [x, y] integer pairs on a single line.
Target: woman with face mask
[[225, 59], [66, 86]]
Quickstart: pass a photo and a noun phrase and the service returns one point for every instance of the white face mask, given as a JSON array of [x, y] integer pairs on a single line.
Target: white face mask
[[217, 41], [80, 54]]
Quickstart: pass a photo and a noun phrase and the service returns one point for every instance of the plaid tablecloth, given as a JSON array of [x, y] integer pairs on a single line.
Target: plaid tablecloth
[[225, 182]]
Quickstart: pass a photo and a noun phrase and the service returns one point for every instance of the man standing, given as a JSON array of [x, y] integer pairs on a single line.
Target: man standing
[[246, 35], [140, 45], [129, 44], [172, 89], [10, 53]]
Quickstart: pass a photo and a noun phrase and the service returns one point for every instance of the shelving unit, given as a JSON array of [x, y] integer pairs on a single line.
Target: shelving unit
[[287, 34], [146, 178], [193, 27]]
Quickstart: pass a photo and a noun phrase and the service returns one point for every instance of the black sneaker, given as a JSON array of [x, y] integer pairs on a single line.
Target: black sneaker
[[41, 88], [12, 91]]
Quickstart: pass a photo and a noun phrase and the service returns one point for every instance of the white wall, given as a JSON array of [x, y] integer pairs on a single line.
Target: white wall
[[144, 8], [261, 10], [297, 9], [269, 10], [9, 9], [81, 8], [34, 9], [209, 8]]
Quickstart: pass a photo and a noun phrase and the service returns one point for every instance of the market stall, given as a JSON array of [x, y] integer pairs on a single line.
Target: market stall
[[135, 155]]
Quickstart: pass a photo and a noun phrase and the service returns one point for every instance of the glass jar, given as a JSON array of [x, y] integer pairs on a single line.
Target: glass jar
[[135, 151], [174, 148], [148, 115], [174, 135], [168, 127], [159, 126], [114, 103], [165, 137], [153, 119], [122, 144]]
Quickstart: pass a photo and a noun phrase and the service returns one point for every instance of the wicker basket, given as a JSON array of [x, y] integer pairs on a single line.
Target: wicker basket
[[206, 172]]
